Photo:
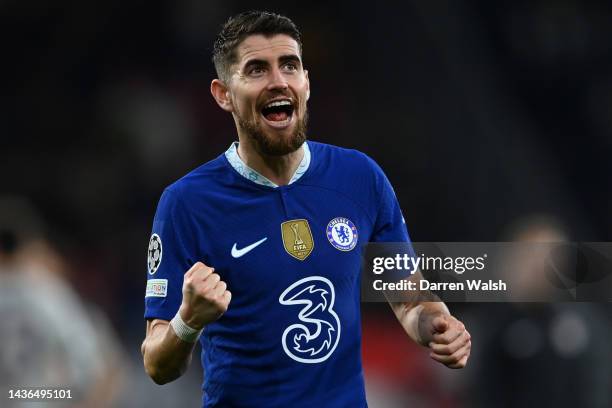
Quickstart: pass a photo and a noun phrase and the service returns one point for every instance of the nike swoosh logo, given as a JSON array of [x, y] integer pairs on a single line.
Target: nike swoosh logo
[[237, 253]]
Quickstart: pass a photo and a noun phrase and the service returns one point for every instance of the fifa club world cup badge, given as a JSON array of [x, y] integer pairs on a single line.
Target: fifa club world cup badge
[[297, 238], [342, 233]]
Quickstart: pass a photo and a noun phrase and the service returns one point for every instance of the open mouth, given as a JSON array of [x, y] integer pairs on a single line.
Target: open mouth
[[278, 112]]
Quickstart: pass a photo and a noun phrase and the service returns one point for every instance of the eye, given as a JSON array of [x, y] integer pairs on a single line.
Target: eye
[[290, 66], [256, 70]]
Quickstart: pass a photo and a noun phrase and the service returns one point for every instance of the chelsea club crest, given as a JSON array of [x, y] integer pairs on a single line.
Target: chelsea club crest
[[342, 234]]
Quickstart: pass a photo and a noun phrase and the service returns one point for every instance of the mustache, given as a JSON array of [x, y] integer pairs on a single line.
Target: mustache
[[265, 100]]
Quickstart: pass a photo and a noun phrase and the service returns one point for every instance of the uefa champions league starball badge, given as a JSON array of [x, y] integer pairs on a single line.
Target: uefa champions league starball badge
[[154, 256], [342, 234]]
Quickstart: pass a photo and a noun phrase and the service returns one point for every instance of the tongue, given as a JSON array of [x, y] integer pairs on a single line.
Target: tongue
[[276, 117]]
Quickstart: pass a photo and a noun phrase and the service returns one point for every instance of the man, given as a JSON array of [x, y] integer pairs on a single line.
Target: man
[[50, 337], [279, 222]]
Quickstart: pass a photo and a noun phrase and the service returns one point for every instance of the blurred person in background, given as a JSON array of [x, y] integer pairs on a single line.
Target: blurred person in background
[[544, 353], [289, 337], [49, 338]]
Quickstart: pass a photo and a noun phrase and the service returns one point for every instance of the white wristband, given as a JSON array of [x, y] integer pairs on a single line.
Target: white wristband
[[183, 331]]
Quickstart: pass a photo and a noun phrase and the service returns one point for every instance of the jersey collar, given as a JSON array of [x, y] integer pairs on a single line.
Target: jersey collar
[[245, 171]]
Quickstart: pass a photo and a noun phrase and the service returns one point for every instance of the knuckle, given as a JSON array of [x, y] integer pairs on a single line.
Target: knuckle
[[221, 305]]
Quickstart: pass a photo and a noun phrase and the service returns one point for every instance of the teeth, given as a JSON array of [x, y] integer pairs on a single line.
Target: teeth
[[278, 103]]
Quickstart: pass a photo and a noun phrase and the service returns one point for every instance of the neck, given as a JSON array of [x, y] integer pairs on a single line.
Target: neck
[[277, 169]]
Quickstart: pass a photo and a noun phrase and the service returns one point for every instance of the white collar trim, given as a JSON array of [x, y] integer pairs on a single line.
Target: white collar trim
[[245, 171]]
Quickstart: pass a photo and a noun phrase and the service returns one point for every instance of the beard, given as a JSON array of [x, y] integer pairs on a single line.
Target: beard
[[272, 145]]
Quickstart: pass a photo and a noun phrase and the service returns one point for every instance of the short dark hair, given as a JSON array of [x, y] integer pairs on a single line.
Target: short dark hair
[[238, 27]]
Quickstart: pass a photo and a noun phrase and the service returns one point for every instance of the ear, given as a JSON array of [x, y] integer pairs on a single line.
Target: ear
[[307, 84], [221, 93]]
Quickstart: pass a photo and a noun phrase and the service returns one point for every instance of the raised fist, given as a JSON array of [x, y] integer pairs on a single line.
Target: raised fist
[[205, 296]]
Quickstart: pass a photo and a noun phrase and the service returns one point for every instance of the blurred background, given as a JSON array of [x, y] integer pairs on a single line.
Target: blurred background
[[493, 121]]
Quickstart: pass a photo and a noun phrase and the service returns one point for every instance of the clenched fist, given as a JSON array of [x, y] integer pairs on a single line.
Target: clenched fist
[[449, 341], [205, 296]]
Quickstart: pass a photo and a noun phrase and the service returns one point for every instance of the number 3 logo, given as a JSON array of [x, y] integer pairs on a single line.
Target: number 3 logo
[[315, 338]]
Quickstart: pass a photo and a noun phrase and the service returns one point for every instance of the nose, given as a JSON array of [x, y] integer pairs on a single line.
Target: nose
[[277, 80]]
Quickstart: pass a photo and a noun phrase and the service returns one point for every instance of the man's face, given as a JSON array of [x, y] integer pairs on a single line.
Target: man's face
[[269, 89]]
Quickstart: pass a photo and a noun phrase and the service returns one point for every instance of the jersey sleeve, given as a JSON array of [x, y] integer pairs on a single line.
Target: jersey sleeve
[[390, 225], [169, 256]]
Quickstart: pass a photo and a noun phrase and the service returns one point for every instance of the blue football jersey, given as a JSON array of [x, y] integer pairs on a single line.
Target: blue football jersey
[[291, 256]]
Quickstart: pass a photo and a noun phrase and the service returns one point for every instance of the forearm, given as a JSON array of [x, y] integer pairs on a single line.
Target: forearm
[[415, 316], [205, 299], [166, 357], [415, 308]]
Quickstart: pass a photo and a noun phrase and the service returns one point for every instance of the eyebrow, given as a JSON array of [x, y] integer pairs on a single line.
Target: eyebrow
[[289, 57], [282, 59]]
